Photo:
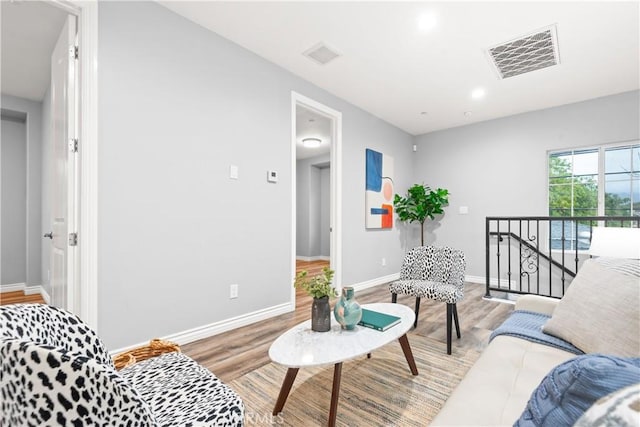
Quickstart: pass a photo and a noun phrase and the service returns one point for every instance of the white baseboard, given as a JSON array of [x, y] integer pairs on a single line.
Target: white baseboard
[[216, 328], [13, 287], [493, 281], [28, 290], [45, 295], [375, 282], [313, 258]]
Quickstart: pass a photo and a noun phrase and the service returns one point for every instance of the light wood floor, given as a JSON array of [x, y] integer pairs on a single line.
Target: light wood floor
[[18, 297], [232, 354]]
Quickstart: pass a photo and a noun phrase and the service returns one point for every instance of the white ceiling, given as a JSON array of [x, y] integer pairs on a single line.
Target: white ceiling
[[392, 69], [388, 66], [30, 30]]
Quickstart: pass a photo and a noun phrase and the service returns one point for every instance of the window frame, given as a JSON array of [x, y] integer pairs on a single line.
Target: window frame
[[601, 149]]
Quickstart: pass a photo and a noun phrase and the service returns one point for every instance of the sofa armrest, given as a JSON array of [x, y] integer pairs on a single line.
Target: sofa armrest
[[537, 303]]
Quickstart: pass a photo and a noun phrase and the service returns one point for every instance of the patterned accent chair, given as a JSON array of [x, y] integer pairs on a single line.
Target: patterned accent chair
[[436, 273], [56, 371]]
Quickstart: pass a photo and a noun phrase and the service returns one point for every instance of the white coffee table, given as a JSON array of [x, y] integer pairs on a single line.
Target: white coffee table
[[300, 347]]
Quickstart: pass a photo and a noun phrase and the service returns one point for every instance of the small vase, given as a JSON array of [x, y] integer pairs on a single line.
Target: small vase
[[321, 315], [347, 310]]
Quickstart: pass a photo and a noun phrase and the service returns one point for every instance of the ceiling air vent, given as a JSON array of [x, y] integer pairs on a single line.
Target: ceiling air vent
[[321, 54], [528, 53]]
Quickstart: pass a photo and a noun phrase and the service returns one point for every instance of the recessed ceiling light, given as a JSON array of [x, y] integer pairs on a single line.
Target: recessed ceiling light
[[478, 93], [427, 21], [311, 142]]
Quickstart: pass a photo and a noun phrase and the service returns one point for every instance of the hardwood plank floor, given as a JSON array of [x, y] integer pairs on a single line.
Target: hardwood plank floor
[[232, 354], [18, 297]]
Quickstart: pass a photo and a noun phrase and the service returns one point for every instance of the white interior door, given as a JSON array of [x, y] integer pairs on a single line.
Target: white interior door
[[63, 180]]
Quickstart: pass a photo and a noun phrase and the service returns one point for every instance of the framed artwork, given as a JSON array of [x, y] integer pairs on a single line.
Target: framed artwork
[[379, 190]]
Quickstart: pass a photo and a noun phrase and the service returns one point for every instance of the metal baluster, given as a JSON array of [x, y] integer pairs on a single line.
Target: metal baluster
[[487, 251], [509, 254]]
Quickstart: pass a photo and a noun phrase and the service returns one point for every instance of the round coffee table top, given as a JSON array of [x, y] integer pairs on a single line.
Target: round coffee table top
[[301, 347]]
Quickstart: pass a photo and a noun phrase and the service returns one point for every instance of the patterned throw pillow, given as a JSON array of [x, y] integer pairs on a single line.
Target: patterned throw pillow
[[621, 409], [573, 386]]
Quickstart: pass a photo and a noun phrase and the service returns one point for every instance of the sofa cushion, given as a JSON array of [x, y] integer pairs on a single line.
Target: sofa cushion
[[600, 312], [573, 386], [495, 391], [620, 408]]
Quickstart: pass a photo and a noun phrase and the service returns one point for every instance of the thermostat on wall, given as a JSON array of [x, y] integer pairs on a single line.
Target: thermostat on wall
[[272, 176]]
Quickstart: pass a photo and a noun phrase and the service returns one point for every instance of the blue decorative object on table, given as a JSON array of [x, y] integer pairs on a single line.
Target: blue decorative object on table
[[347, 310]]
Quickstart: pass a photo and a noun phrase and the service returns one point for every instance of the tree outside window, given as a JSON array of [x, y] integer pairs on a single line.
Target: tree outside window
[[574, 181]]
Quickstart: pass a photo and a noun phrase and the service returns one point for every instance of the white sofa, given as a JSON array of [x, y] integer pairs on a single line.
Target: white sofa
[[496, 389]]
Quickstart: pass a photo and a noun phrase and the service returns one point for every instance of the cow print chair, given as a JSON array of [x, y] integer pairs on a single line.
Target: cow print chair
[[436, 273], [56, 371]]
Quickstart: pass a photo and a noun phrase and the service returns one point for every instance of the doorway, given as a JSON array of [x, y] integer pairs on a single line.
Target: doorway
[[39, 22], [316, 171]]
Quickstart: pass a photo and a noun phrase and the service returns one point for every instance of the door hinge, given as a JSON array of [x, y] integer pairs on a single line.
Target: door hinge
[[73, 52], [73, 239], [73, 145]]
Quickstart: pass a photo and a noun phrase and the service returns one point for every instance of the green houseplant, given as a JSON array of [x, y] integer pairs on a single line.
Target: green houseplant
[[319, 287], [420, 203]]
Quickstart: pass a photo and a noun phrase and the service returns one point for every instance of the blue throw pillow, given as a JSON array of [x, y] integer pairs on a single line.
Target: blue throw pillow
[[573, 386]]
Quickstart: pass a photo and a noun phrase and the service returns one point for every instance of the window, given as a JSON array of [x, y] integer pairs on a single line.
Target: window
[[622, 181], [603, 181]]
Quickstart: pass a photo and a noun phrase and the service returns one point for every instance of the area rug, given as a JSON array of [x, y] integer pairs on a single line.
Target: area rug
[[374, 392]]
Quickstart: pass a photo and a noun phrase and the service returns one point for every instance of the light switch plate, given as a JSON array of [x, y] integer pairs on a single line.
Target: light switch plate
[[272, 176], [233, 172]]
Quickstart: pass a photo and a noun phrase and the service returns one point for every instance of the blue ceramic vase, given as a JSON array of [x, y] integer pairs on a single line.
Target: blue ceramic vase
[[347, 311]]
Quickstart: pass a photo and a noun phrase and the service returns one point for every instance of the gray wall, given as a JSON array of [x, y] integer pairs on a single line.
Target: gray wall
[[33, 175], [499, 167], [179, 104], [14, 202], [311, 209], [325, 211]]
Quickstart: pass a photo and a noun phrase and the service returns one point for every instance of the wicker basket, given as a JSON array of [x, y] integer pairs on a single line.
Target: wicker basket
[[155, 348]]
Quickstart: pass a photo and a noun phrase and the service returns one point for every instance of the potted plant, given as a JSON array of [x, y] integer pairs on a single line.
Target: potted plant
[[420, 203], [319, 287]]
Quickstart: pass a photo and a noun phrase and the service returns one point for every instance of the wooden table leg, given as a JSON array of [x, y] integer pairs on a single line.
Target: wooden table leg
[[285, 389], [335, 392], [406, 348]]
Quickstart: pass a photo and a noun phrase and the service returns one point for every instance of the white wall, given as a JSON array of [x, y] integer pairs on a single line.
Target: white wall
[[179, 104], [499, 167], [33, 175]]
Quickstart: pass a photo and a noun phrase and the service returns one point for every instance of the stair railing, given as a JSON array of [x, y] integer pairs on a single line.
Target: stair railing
[[537, 254]]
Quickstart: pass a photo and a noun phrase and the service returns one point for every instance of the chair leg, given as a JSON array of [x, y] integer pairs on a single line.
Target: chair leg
[[449, 315], [415, 324], [455, 318], [394, 298]]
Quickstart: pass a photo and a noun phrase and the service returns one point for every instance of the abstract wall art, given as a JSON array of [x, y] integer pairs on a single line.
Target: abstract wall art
[[379, 190]]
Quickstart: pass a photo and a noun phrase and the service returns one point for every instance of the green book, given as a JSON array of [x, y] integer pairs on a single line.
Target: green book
[[378, 321]]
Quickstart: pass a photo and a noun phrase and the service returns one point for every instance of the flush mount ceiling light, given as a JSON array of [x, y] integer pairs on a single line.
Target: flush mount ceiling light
[[311, 142]]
